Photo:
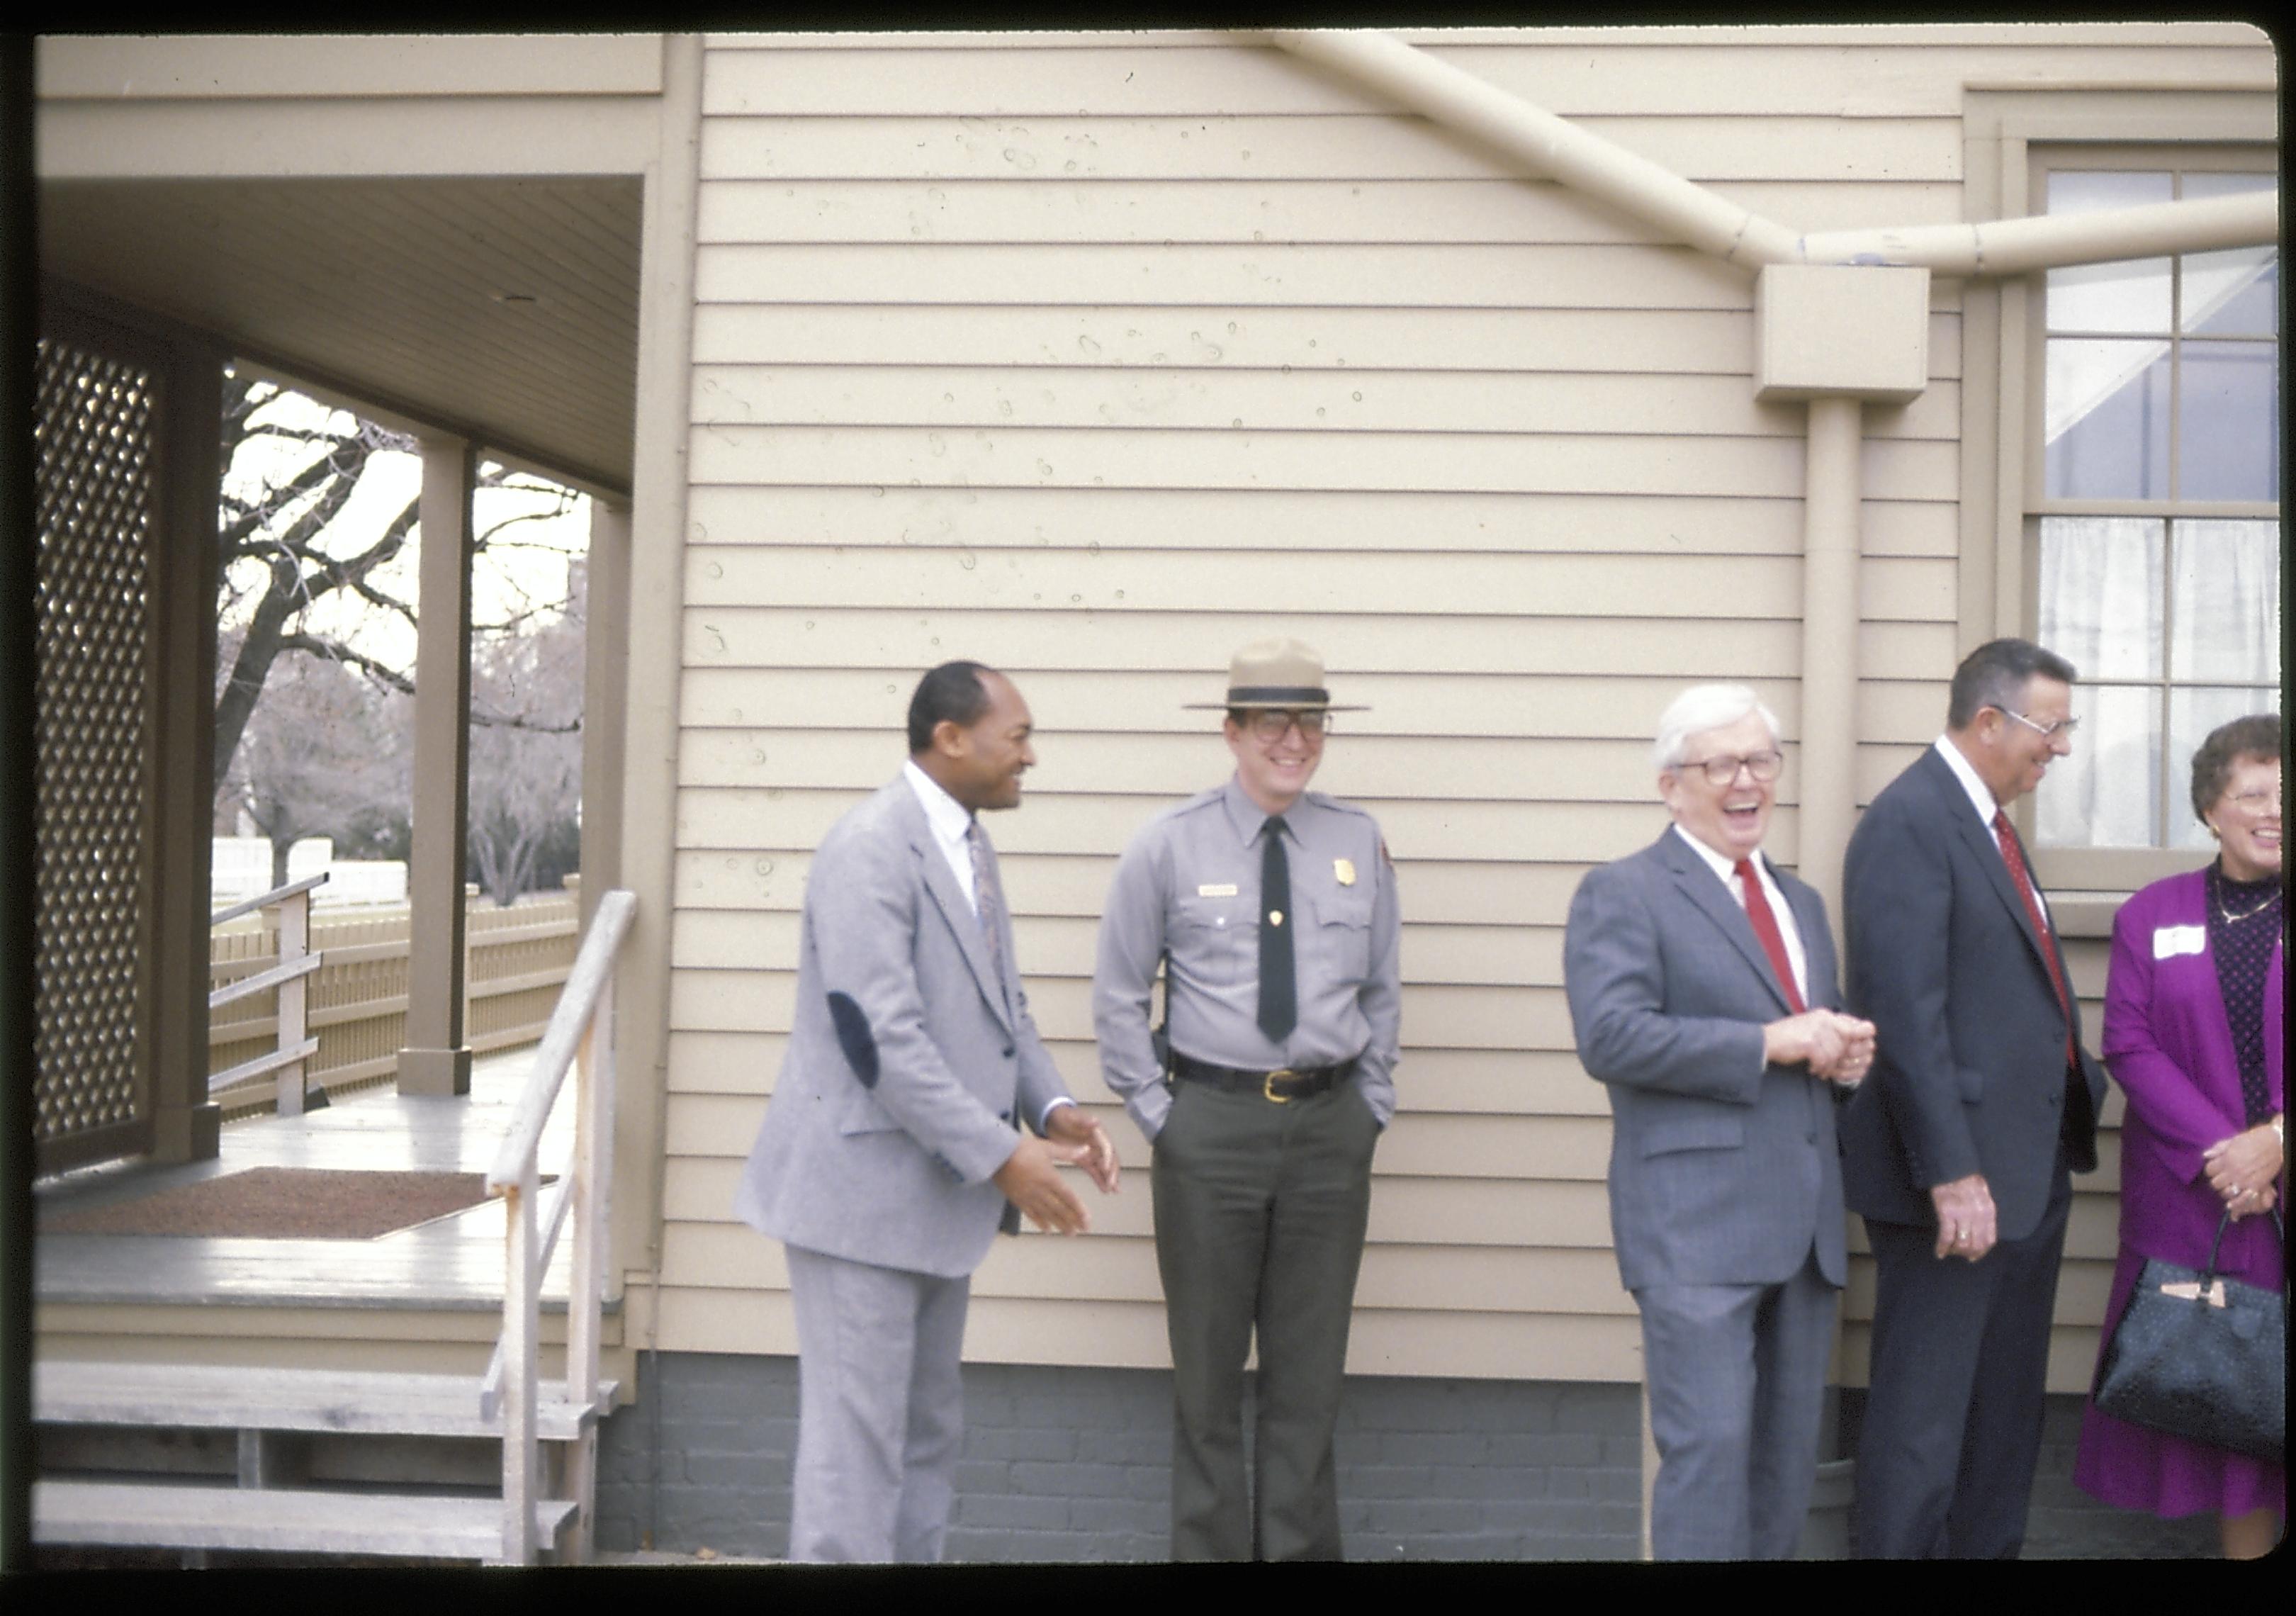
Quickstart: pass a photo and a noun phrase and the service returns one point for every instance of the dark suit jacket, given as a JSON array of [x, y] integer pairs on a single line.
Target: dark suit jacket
[[909, 1075], [1969, 1068], [1723, 1170]]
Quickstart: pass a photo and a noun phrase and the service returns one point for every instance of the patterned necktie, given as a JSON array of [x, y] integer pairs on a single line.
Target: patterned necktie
[[1279, 994], [1766, 931], [987, 899], [2012, 854]]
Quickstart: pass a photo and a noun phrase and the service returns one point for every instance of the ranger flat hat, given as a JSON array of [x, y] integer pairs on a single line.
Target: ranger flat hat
[[1275, 673]]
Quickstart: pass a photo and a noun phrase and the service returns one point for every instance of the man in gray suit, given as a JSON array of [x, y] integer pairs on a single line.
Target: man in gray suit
[[1702, 992], [895, 1144]]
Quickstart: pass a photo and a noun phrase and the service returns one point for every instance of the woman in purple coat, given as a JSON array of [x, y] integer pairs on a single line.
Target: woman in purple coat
[[2192, 1035]]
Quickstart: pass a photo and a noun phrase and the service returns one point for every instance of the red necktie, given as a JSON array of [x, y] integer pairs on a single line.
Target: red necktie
[[2012, 854], [1766, 928]]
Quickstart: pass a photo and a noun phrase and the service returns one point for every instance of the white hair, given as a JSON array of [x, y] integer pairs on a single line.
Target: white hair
[[1701, 708]]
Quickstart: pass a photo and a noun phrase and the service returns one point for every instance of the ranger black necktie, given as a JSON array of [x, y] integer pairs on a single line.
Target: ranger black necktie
[[1279, 996]]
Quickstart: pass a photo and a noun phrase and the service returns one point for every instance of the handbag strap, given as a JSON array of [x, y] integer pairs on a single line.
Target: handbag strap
[[2208, 1275]]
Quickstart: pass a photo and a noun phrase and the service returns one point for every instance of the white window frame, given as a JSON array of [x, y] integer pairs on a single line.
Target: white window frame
[[2003, 370]]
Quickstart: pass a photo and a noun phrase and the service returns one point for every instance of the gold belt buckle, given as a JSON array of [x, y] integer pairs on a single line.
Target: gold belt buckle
[[1267, 1085]]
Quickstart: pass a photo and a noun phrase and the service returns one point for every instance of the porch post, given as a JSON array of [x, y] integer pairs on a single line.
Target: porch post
[[605, 661], [435, 1060], [185, 1123]]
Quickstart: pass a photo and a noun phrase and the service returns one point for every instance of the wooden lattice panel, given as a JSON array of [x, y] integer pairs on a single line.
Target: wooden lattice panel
[[93, 437]]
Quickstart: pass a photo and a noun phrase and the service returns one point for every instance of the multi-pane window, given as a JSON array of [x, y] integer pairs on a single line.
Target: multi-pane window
[[2155, 506]]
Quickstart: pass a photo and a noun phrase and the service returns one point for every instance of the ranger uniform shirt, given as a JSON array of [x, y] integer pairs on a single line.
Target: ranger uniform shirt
[[1190, 884]]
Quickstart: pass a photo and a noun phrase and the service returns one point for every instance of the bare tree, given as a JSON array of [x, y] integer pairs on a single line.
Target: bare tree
[[318, 758], [526, 748], [287, 539]]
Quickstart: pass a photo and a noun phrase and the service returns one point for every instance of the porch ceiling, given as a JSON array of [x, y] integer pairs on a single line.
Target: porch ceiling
[[503, 309]]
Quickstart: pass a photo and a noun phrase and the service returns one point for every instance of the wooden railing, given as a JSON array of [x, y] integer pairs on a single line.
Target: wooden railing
[[581, 1034], [291, 1049], [515, 961]]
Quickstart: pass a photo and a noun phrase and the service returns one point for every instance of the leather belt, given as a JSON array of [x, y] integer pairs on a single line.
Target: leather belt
[[1281, 1085]]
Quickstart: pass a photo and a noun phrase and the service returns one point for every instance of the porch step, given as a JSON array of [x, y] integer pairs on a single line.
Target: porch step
[[228, 1397], [175, 1515]]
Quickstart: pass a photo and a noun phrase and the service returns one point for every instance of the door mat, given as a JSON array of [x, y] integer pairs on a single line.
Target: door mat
[[282, 1203]]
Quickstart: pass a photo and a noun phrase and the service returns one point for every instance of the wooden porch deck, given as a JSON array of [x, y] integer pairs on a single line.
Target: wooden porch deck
[[452, 1263]]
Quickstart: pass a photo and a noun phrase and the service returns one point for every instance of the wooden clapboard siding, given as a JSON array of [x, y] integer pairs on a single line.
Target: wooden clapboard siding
[[1567, 404], [1759, 76], [1048, 337], [1286, 520], [1155, 212], [1093, 356], [1372, 144], [793, 638]]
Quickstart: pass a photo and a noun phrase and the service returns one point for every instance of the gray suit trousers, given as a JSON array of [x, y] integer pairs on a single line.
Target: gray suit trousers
[[880, 1412], [1260, 1211], [1736, 1376]]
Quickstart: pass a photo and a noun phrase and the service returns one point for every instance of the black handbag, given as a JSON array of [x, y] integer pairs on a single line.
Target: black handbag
[[2201, 1356]]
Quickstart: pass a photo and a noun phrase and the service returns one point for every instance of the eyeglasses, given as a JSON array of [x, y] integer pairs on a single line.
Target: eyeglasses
[[1269, 724], [2063, 727], [2258, 804], [1722, 770]]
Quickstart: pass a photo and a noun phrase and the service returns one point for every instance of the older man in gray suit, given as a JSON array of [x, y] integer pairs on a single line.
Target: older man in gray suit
[[1702, 991], [896, 1142]]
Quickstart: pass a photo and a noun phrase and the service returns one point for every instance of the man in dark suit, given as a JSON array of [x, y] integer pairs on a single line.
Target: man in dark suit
[[1982, 1099], [901, 1134], [1702, 991]]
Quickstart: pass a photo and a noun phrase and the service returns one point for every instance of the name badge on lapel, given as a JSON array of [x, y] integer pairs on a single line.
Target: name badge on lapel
[[1217, 889], [2169, 941]]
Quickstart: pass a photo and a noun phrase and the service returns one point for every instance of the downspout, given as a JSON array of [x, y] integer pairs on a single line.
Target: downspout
[[2018, 246], [1832, 488], [1687, 212], [1546, 143]]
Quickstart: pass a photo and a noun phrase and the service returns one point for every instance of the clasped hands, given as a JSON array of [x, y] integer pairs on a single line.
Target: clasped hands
[[1031, 1179], [1836, 1047], [2244, 1171]]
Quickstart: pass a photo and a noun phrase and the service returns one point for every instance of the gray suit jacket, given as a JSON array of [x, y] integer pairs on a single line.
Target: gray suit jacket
[[907, 1073], [1723, 1170]]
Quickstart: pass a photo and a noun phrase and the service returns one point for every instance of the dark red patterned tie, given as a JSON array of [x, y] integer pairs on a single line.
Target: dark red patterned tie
[[1765, 929], [2012, 854]]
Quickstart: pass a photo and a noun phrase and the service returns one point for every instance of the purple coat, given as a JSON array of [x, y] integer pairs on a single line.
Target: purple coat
[[2169, 1045]]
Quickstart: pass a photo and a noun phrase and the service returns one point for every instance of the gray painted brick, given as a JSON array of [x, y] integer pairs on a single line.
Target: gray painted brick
[[1574, 1450], [1073, 1465], [1122, 1516], [1389, 1481], [989, 1442], [1459, 1450], [1132, 1446], [1069, 1481], [978, 1510]]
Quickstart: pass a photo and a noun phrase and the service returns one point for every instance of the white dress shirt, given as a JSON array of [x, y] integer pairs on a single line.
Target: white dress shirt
[[949, 823], [1780, 910], [1980, 797]]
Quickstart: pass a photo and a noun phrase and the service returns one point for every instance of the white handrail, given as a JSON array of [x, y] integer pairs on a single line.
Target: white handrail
[[275, 896], [583, 1026], [297, 962]]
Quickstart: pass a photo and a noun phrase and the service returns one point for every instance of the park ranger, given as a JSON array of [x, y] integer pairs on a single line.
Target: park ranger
[[1273, 911]]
